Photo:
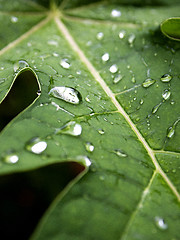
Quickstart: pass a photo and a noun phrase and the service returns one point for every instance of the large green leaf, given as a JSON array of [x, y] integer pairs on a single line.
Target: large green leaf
[[125, 73]]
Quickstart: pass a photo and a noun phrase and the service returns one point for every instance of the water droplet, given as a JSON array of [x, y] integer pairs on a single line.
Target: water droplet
[[67, 94], [172, 102], [79, 72], [166, 78], [166, 94], [71, 128], [115, 13], [117, 78], [122, 34], [155, 108], [101, 131], [55, 54], [131, 39], [20, 65], [119, 153], [87, 99], [113, 68], [105, 57], [100, 35], [133, 80], [36, 145], [89, 147], [141, 101], [171, 130], [11, 158], [84, 160], [65, 64], [52, 43], [148, 82], [14, 19], [160, 223]]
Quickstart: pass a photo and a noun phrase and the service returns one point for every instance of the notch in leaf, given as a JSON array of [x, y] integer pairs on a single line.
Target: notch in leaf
[[171, 28], [25, 90]]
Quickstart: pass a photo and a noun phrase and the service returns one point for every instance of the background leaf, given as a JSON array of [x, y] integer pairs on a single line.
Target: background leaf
[[127, 73]]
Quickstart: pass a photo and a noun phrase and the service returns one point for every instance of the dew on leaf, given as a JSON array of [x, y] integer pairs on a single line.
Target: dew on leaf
[[20, 65], [71, 128], [36, 145], [101, 131], [115, 13], [155, 108], [172, 102], [84, 160], [100, 35], [87, 99], [166, 94], [117, 78], [166, 78], [67, 94], [52, 43], [131, 39], [160, 223], [141, 101], [105, 57], [119, 153], [11, 158], [171, 130], [122, 34], [113, 68], [65, 64], [14, 19], [89, 147], [133, 80], [148, 82]]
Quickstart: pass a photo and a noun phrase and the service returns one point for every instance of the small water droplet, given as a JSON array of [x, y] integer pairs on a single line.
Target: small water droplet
[[105, 57], [160, 223], [20, 65], [171, 130], [119, 153], [52, 43], [84, 160], [113, 68], [172, 102], [141, 101], [89, 147], [71, 128], [166, 94], [65, 64], [79, 72], [87, 99], [166, 78], [148, 82], [131, 39], [122, 34], [36, 145], [101, 131], [117, 78], [11, 157], [155, 108], [100, 35], [14, 19], [67, 94], [133, 80], [115, 13], [55, 54]]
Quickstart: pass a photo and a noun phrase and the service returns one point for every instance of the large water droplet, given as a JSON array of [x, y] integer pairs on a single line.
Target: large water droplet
[[166, 78], [166, 94], [105, 57], [20, 65], [36, 145], [117, 78], [100, 35], [113, 68], [71, 128], [65, 64], [11, 158], [148, 82], [122, 34], [119, 153], [155, 108], [160, 223], [84, 160], [67, 94], [115, 13], [89, 147]]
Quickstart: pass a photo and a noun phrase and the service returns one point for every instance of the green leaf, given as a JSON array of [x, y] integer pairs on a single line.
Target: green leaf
[[100, 145], [171, 28]]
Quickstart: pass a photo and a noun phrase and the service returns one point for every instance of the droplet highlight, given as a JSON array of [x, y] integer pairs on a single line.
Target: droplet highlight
[[160, 223], [115, 13], [148, 82], [11, 158], [89, 147], [84, 160], [36, 145], [65, 64], [100, 35], [122, 34], [113, 68], [20, 65], [166, 78], [67, 94], [105, 57], [166, 94], [119, 153], [117, 78], [71, 128]]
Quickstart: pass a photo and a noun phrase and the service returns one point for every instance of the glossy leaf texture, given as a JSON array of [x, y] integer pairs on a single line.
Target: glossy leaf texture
[[106, 123], [171, 28]]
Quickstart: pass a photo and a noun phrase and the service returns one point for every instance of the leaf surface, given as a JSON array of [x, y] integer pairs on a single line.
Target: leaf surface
[[126, 124]]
